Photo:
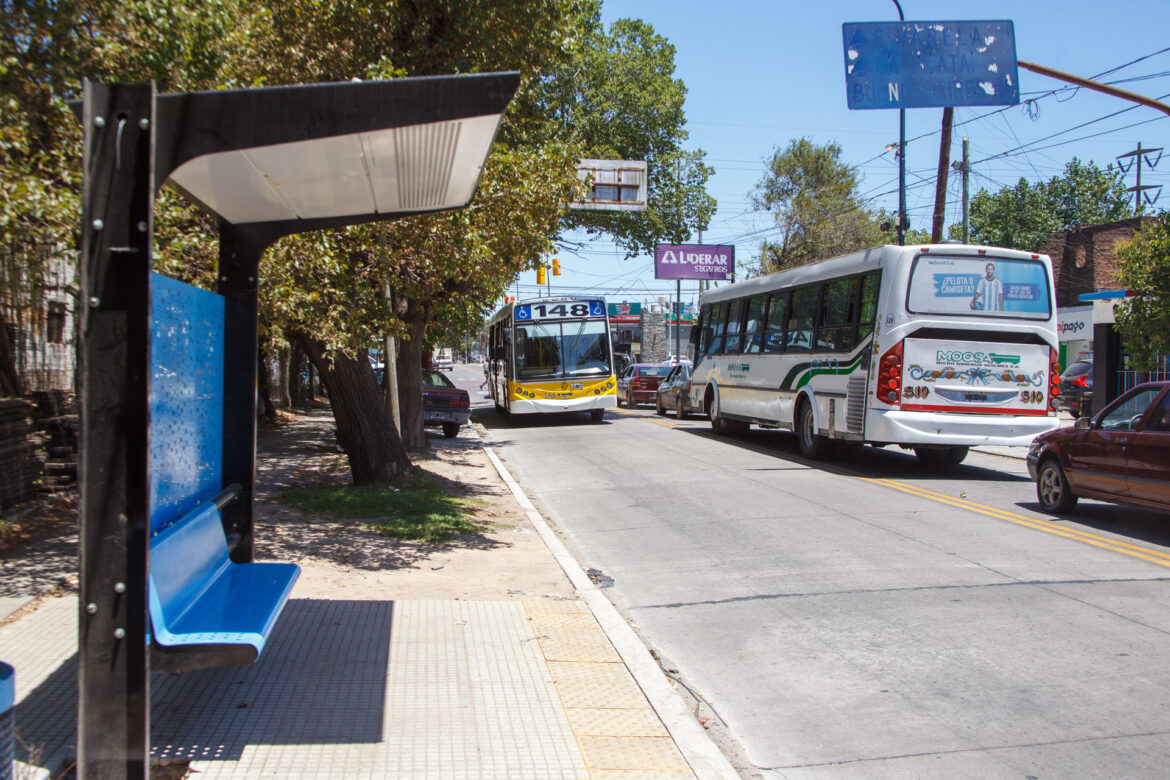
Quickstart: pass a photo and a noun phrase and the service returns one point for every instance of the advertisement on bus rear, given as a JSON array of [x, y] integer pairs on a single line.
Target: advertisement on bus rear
[[979, 286], [975, 377]]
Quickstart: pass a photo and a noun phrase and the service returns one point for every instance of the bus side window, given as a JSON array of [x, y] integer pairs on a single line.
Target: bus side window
[[754, 326], [801, 317], [867, 304], [714, 338], [777, 314], [836, 328], [733, 343]]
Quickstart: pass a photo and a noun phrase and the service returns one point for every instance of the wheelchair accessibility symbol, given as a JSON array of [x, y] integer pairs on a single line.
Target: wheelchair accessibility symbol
[[523, 312], [596, 308]]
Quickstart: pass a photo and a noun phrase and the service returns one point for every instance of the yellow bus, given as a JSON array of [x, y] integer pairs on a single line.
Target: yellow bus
[[548, 355]]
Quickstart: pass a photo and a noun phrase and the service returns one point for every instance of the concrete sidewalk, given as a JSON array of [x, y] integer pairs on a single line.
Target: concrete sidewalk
[[554, 687]]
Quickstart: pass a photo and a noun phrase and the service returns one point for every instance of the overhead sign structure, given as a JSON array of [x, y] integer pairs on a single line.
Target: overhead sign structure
[[614, 185], [930, 64], [694, 261]]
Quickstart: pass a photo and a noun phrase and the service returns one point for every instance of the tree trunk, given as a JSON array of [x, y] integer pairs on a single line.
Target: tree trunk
[[283, 401], [264, 408], [296, 365], [410, 357], [10, 383], [364, 430]]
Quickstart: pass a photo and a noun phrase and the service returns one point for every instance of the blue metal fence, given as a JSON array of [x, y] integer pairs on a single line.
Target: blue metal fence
[[1127, 379]]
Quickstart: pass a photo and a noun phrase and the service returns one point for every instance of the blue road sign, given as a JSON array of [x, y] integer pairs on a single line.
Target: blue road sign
[[925, 64]]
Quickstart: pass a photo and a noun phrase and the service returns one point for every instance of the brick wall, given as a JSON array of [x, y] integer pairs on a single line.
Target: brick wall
[[1085, 260]]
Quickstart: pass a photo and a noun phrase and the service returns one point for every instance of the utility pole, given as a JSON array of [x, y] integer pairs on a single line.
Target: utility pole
[[940, 184], [964, 167], [901, 159], [1136, 156]]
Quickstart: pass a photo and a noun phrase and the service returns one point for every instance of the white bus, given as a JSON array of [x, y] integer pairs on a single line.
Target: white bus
[[551, 355], [932, 348]]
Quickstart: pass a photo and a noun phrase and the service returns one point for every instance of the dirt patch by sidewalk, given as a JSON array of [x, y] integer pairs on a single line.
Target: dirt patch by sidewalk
[[341, 560]]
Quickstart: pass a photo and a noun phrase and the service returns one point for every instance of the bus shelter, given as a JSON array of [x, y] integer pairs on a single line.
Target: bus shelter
[[264, 163]]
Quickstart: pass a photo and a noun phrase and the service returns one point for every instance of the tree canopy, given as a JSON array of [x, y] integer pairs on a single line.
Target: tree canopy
[[814, 200], [1144, 267], [585, 92], [1021, 217]]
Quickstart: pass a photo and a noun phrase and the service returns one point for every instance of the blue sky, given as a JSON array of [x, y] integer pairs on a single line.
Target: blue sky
[[759, 74]]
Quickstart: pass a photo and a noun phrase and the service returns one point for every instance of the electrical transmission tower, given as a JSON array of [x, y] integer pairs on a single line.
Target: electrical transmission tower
[[1136, 157]]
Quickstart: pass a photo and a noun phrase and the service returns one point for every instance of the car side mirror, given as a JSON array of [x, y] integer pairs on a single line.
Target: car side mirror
[[1083, 423]]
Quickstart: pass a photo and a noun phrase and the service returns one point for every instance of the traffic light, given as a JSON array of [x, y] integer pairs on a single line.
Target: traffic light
[[540, 274], [556, 266]]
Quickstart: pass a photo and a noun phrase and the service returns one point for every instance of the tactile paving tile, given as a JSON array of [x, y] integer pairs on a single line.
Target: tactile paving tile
[[599, 722], [655, 753], [559, 624], [579, 648], [554, 606], [619, 696], [592, 673]]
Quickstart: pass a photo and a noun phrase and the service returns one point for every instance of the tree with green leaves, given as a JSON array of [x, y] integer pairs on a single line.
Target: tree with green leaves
[[1144, 267], [1023, 216], [814, 200], [616, 97]]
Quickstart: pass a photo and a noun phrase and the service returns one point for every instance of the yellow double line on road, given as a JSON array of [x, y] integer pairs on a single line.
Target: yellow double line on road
[[1104, 542]]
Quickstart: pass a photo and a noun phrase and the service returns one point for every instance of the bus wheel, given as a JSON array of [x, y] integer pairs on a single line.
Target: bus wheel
[[956, 455], [941, 456], [597, 414], [718, 424], [812, 446]]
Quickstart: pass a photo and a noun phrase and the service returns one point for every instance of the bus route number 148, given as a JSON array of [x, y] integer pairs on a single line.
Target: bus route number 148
[[544, 311]]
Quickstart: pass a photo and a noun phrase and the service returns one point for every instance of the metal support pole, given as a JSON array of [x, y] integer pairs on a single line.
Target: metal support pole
[[901, 158], [677, 319], [901, 175], [239, 263], [113, 351]]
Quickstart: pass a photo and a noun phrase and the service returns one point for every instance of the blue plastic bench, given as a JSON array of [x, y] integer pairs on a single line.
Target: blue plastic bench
[[205, 609]]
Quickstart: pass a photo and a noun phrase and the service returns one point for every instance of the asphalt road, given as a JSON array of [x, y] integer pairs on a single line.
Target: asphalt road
[[864, 617]]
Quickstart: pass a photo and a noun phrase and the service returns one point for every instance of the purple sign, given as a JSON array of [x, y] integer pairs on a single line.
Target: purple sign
[[694, 261]]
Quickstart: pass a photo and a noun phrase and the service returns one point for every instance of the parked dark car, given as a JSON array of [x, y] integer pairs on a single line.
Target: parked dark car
[[1076, 388], [1121, 455], [674, 391], [638, 384], [444, 404]]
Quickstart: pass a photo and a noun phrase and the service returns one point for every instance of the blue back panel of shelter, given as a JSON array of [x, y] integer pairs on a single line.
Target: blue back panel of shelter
[[186, 398]]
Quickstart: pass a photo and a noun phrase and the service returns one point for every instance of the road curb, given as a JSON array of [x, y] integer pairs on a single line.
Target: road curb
[[697, 747]]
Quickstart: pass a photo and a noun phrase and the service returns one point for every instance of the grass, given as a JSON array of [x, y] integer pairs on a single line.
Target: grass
[[421, 510]]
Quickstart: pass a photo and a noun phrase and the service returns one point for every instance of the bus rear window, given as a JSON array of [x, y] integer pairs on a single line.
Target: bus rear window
[[982, 286]]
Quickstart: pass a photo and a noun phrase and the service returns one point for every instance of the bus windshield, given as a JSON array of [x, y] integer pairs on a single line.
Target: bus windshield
[[979, 286], [556, 349]]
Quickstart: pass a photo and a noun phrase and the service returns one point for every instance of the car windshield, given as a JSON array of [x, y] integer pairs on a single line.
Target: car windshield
[[552, 350], [653, 370], [1124, 416], [1077, 369], [435, 379]]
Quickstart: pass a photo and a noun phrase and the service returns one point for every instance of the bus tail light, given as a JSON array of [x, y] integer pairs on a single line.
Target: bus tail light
[[1053, 377], [889, 381]]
